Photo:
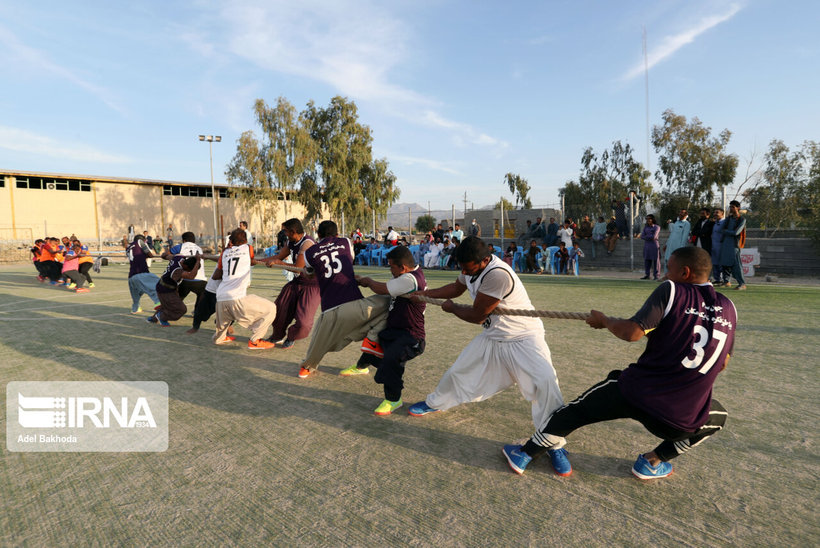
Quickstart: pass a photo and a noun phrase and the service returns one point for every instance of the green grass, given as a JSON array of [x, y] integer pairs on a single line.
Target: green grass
[[259, 456]]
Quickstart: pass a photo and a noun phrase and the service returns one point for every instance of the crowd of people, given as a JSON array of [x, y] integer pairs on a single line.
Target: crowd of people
[[65, 262], [689, 326], [722, 237]]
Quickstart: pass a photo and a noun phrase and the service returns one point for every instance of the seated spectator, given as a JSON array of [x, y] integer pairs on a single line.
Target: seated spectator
[[431, 257], [575, 252], [510, 253], [530, 257], [563, 257], [585, 230], [611, 235], [598, 234]]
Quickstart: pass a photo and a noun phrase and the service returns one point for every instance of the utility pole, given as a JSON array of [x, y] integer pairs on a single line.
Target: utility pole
[[465, 207]]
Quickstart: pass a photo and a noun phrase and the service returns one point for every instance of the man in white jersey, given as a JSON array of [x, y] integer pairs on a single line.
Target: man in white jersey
[[233, 304], [189, 248], [510, 350]]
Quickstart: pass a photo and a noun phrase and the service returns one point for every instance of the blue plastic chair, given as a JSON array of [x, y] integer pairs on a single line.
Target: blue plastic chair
[[383, 256], [375, 255], [549, 263], [414, 249], [363, 256]]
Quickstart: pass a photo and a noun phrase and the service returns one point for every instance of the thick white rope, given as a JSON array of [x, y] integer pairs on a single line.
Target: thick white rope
[[503, 311]]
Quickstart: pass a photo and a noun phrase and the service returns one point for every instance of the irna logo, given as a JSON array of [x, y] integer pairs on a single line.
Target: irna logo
[[78, 412]]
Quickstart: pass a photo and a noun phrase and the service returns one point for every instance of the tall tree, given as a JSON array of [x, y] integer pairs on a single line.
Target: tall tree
[[778, 196], [269, 169], [344, 149], [520, 189], [603, 178], [379, 188], [425, 223], [691, 162]]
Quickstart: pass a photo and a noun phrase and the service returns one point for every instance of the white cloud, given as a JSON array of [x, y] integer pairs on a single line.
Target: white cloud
[[353, 47], [20, 140], [434, 165], [671, 44], [32, 58]]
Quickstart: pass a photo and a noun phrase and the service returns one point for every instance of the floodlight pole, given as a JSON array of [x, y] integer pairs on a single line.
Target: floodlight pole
[[211, 139]]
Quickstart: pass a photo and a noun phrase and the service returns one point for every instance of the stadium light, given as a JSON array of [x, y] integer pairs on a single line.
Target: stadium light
[[211, 139]]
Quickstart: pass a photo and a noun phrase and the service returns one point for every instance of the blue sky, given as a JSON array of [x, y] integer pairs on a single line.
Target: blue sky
[[456, 93]]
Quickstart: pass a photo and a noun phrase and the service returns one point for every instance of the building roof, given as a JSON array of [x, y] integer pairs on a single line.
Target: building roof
[[106, 178]]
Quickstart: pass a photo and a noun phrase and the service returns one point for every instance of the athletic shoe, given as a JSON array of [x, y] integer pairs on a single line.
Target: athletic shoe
[[421, 408], [560, 462], [727, 284], [227, 340], [284, 345], [52, 282], [516, 458], [354, 370], [82, 290], [137, 311], [741, 287], [72, 285], [386, 407], [40, 279], [90, 285], [643, 470], [370, 347], [645, 278], [304, 373], [162, 322], [261, 344], [152, 319]]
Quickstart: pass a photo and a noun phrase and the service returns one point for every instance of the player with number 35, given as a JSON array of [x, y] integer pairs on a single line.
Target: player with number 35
[[690, 331], [346, 315]]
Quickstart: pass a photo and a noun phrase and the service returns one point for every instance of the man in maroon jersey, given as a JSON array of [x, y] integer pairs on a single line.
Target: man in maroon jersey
[[346, 315], [690, 330]]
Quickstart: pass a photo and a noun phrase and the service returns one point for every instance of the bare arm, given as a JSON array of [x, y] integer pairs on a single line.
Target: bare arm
[[449, 291], [482, 307], [626, 330], [379, 288]]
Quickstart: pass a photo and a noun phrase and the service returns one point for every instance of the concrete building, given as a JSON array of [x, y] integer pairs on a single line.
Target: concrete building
[[100, 209]]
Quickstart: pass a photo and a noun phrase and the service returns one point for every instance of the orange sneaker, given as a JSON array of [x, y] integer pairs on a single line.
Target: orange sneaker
[[304, 373], [82, 290], [374, 348], [227, 340], [261, 344]]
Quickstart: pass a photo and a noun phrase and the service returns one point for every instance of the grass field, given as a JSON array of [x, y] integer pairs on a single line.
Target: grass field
[[258, 456]]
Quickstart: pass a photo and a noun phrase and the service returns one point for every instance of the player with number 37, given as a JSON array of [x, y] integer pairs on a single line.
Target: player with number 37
[[690, 330]]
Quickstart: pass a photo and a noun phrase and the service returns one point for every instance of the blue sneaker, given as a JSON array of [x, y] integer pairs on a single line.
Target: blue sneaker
[[421, 408], [152, 319], [645, 471], [162, 322], [516, 458], [560, 461]]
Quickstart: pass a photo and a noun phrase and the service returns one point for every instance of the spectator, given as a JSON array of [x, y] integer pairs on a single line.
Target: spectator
[[539, 231], [458, 233], [530, 257], [575, 253], [475, 229], [718, 276], [702, 231], [619, 212], [651, 247], [169, 235], [392, 237], [438, 233], [563, 257], [565, 234], [611, 235], [552, 232], [148, 239], [598, 234], [585, 230], [431, 257], [730, 245], [678, 234], [510, 253]]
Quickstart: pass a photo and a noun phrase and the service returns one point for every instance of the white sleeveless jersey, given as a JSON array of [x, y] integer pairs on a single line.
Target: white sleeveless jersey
[[236, 273], [189, 249], [498, 280]]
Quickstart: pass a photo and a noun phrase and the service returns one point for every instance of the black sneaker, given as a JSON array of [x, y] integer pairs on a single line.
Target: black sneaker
[[285, 345]]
